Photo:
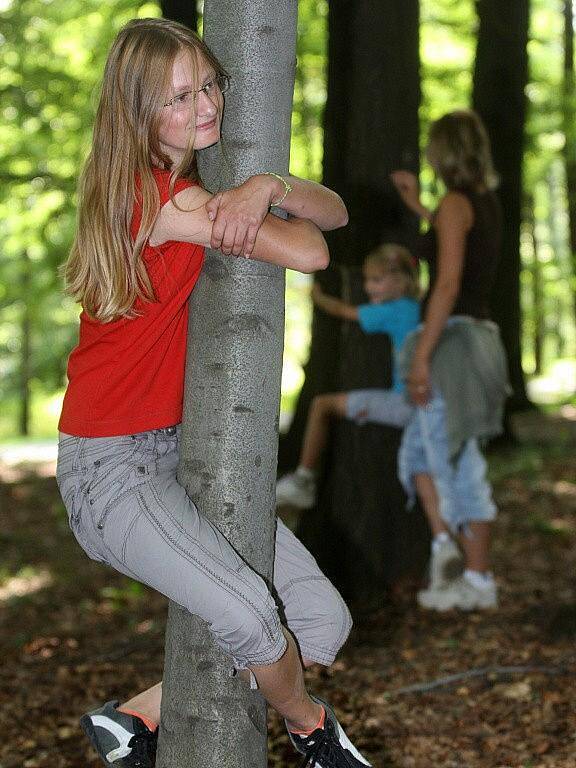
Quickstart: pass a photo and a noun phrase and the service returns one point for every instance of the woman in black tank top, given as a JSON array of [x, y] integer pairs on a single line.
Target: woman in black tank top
[[462, 249]]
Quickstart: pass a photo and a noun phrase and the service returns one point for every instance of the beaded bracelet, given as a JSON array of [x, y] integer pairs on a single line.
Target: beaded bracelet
[[287, 187]]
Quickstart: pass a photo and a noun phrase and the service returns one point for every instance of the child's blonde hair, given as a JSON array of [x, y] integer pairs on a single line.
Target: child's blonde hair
[[391, 257], [459, 150], [105, 271]]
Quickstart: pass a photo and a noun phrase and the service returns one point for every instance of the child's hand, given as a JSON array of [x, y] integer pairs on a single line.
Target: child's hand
[[238, 214], [407, 185]]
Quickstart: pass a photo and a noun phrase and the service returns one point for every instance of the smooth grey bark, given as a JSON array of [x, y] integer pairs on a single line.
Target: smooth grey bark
[[230, 431]]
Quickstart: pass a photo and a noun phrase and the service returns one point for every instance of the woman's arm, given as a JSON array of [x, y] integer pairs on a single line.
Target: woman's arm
[[332, 305], [453, 221], [296, 243], [409, 190]]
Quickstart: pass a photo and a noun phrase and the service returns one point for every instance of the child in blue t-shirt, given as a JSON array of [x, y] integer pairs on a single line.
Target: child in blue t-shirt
[[391, 284]]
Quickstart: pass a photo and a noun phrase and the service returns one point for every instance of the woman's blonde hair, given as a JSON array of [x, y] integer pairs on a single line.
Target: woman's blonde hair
[[396, 259], [105, 270], [459, 151]]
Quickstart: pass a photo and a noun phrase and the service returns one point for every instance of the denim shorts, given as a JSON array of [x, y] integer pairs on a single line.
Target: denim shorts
[[378, 406], [464, 492], [127, 510]]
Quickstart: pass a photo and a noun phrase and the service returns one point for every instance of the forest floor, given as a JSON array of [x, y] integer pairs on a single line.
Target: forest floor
[[74, 634]]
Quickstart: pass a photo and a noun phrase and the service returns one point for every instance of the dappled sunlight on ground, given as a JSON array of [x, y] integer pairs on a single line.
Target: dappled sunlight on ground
[[413, 689], [27, 581]]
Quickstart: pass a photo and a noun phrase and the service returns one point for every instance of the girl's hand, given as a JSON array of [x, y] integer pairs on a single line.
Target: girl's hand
[[408, 187], [418, 381], [238, 214]]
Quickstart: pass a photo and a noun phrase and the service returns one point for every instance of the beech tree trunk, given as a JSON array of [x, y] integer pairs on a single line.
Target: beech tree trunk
[[360, 531], [500, 77], [25, 368], [371, 128], [183, 11], [538, 317], [569, 121], [230, 431]]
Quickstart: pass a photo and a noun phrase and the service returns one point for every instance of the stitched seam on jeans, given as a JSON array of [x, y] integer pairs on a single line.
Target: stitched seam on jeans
[[219, 561], [264, 658], [300, 580], [317, 654], [211, 574], [127, 535]]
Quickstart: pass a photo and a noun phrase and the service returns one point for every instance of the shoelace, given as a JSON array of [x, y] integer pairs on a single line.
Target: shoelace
[[326, 748], [143, 750]]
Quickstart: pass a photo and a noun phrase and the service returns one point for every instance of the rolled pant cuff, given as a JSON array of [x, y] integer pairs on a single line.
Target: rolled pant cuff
[[318, 656], [271, 655]]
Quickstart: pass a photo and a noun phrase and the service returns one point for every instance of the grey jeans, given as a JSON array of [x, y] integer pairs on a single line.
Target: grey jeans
[[127, 509]]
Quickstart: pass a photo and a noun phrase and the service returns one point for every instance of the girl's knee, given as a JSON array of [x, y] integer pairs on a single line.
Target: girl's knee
[[326, 629]]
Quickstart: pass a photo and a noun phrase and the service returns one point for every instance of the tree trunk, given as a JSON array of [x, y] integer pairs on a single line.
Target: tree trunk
[[230, 430], [25, 348], [569, 119], [538, 324], [500, 77], [370, 129], [183, 11]]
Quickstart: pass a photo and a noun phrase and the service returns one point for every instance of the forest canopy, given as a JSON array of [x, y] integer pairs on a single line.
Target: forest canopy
[[53, 55]]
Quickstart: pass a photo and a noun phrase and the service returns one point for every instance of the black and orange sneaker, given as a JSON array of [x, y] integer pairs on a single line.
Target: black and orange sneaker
[[328, 747], [122, 740]]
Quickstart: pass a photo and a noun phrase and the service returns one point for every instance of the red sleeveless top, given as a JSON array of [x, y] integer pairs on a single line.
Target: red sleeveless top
[[127, 376]]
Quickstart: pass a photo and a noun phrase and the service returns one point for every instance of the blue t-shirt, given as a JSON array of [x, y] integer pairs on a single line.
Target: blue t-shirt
[[397, 318]]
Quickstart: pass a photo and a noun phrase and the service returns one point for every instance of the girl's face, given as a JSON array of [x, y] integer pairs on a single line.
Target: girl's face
[[194, 115], [382, 285]]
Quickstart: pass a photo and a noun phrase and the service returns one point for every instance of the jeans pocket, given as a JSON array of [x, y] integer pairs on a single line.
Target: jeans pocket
[[72, 496]]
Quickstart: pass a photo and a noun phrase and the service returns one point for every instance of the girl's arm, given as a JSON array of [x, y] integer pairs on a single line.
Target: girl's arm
[[238, 212], [332, 305], [409, 190], [453, 221], [309, 200], [296, 243]]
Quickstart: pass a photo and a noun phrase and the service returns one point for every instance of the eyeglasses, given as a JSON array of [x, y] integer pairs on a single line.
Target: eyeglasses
[[212, 88]]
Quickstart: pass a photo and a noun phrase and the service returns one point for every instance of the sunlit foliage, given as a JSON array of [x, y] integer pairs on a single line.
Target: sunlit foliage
[[52, 57]]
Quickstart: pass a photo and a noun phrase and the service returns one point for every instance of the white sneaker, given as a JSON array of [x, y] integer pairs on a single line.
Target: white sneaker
[[445, 563], [461, 594], [296, 490]]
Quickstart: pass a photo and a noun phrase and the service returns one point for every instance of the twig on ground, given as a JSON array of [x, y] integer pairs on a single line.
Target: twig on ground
[[497, 671]]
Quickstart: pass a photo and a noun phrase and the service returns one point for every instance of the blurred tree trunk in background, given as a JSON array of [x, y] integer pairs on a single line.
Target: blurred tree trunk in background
[[371, 128], [560, 316], [569, 124], [25, 347], [500, 77], [183, 11], [537, 309]]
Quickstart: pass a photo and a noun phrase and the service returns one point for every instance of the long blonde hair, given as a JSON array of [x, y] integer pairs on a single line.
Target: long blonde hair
[[459, 150], [105, 271], [395, 258]]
